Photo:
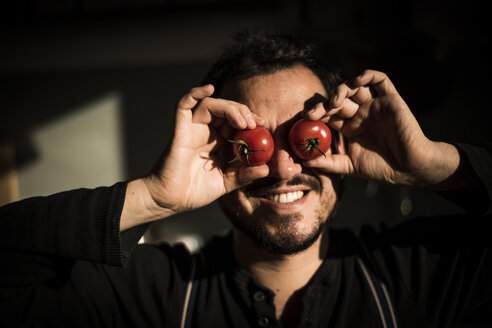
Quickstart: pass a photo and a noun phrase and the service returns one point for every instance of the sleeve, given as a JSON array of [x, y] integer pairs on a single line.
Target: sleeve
[[63, 260], [479, 160], [38, 233]]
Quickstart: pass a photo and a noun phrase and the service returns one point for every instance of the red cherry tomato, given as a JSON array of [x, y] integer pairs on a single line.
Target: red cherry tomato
[[252, 146], [309, 139]]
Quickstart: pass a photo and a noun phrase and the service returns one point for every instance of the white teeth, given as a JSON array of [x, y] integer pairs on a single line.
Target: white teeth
[[286, 197]]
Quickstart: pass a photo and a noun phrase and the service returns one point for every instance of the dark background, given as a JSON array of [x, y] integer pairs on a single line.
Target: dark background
[[56, 55]]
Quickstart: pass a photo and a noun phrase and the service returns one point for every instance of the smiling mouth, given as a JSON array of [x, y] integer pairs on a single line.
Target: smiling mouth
[[287, 197], [284, 198]]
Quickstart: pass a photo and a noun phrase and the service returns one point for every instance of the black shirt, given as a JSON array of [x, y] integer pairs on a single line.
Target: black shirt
[[65, 264]]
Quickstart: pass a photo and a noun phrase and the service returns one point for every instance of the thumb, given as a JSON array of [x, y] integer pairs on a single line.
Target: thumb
[[337, 164], [240, 175]]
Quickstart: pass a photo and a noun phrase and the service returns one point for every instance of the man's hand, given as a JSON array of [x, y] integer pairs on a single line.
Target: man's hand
[[190, 173], [385, 141]]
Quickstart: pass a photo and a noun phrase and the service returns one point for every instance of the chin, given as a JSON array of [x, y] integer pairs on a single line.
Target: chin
[[285, 239], [277, 234], [276, 230]]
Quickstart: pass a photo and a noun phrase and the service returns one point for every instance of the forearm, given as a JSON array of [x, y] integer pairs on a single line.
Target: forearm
[[451, 170], [81, 224], [139, 206], [475, 179]]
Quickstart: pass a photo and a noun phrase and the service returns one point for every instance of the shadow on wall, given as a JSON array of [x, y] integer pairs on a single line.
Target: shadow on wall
[[146, 108]]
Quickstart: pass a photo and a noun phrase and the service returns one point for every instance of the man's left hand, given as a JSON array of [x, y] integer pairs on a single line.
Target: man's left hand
[[385, 141]]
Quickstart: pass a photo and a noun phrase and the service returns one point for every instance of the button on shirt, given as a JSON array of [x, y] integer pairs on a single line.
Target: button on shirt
[[260, 300]]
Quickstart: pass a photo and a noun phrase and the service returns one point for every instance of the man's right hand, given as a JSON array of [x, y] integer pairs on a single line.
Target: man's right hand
[[190, 173]]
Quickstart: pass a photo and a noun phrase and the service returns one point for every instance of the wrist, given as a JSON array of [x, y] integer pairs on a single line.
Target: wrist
[[449, 170], [140, 207]]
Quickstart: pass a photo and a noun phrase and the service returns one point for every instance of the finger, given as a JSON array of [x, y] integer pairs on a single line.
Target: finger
[[248, 174], [349, 128], [241, 175], [336, 122], [189, 101], [342, 92], [246, 113], [336, 164], [356, 93], [226, 131], [237, 115], [347, 110], [378, 80], [317, 112], [259, 120]]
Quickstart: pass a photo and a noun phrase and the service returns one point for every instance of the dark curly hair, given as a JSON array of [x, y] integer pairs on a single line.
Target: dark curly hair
[[257, 53]]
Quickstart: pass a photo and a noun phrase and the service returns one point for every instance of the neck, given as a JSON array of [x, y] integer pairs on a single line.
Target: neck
[[286, 275]]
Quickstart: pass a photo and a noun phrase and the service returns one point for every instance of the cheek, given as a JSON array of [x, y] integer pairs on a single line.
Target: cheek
[[246, 203], [329, 194], [237, 203]]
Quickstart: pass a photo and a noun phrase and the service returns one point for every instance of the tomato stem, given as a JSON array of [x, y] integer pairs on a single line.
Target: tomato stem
[[243, 150], [312, 143]]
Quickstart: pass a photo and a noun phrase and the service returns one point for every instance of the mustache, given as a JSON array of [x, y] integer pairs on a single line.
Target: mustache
[[265, 185]]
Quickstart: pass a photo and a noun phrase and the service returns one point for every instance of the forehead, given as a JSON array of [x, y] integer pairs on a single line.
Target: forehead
[[279, 96]]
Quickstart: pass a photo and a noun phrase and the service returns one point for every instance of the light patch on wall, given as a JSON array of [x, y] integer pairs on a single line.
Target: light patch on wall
[[80, 149]]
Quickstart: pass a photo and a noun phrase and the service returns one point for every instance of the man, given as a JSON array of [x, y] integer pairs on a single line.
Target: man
[[67, 264]]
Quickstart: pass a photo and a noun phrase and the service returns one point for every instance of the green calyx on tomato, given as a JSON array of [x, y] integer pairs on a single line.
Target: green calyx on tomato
[[310, 144], [309, 139], [252, 146], [243, 150]]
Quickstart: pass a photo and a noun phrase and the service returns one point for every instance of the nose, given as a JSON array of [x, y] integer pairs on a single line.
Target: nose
[[283, 165]]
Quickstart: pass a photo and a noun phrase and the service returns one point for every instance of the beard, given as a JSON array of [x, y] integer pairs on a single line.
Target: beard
[[285, 239], [280, 234]]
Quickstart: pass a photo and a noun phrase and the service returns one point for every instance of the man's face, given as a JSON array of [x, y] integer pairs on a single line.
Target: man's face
[[285, 212]]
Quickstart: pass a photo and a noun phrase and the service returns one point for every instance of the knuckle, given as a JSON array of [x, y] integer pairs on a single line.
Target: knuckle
[[243, 108], [182, 102], [205, 101], [230, 108]]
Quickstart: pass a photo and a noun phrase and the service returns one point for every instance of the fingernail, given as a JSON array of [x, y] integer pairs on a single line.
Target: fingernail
[[241, 119], [251, 121]]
